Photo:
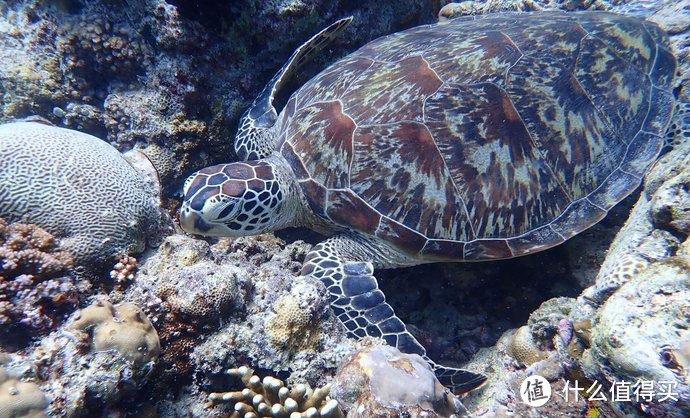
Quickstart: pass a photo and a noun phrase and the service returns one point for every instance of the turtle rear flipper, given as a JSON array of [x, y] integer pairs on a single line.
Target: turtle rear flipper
[[459, 380], [360, 305], [255, 138]]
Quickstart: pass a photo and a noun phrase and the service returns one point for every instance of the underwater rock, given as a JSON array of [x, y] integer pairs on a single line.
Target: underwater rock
[[379, 380], [81, 190], [269, 397], [36, 285], [641, 334]]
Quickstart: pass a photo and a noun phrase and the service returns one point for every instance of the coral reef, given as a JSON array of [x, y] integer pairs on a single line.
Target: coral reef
[[218, 306], [82, 191], [171, 79], [379, 380], [269, 397], [102, 354], [36, 286]]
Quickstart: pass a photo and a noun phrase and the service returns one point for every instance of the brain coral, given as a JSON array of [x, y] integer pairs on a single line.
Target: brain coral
[[523, 348], [77, 187]]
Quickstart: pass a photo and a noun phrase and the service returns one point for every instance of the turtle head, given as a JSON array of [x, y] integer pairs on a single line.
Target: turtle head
[[237, 199]]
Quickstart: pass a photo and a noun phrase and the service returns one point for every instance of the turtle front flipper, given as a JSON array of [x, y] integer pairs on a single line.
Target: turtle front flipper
[[255, 137], [341, 264]]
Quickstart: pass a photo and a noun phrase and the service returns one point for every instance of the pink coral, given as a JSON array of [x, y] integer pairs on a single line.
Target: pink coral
[[34, 277], [125, 269]]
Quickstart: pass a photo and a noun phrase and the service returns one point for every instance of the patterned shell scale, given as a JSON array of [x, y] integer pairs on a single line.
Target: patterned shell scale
[[483, 138]]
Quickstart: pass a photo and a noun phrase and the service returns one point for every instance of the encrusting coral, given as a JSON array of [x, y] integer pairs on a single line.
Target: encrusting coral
[[123, 328], [20, 399], [293, 326], [271, 398], [34, 278]]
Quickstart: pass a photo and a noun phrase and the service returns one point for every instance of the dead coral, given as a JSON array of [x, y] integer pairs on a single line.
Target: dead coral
[[271, 398], [35, 282]]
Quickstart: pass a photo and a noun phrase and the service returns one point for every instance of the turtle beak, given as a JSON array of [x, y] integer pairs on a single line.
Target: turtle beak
[[191, 222]]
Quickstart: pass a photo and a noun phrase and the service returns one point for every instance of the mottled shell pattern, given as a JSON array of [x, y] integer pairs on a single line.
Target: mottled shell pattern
[[483, 138]]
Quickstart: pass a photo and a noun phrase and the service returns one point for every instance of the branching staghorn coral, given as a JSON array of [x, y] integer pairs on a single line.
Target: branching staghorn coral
[[271, 398]]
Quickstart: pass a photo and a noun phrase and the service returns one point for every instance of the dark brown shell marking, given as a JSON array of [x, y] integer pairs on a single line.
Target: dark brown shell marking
[[483, 138]]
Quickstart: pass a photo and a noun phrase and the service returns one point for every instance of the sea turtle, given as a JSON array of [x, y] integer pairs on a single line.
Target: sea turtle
[[473, 139]]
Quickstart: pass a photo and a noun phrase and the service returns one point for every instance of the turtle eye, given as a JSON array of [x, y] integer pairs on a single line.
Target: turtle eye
[[229, 211], [667, 358]]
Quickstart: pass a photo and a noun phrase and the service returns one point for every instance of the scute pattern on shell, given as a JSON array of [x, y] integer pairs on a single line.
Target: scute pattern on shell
[[483, 138]]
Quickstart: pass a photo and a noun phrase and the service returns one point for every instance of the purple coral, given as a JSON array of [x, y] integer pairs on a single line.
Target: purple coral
[[565, 330], [34, 278]]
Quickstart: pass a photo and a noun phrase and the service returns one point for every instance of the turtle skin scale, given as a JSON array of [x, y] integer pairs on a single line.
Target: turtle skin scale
[[483, 138]]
